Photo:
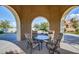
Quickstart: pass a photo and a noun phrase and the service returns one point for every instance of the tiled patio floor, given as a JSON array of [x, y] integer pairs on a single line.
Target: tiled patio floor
[[65, 49], [70, 47]]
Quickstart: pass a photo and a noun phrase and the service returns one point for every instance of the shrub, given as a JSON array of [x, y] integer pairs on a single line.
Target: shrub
[[1, 32]]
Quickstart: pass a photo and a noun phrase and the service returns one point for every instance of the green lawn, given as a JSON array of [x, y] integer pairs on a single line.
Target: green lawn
[[73, 33]]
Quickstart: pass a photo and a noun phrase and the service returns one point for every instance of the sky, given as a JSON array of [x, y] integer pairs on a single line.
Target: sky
[[6, 14], [39, 20], [73, 13]]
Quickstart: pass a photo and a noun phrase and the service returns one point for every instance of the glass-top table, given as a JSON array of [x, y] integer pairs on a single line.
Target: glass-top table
[[41, 38]]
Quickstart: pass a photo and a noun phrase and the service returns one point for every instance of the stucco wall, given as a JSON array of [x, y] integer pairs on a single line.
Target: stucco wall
[[27, 13]]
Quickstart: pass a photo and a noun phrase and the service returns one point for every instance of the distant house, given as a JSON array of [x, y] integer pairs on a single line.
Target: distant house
[[11, 30], [68, 26]]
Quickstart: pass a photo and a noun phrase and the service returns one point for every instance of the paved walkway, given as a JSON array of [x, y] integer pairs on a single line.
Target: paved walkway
[[71, 38], [65, 48], [6, 46], [70, 47]]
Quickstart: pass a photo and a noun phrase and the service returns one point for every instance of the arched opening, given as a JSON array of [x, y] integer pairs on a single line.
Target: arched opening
[[11, 16], [40, 25], [70, 25]]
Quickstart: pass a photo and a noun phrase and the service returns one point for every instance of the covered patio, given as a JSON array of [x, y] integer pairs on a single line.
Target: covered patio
[[25, 14]]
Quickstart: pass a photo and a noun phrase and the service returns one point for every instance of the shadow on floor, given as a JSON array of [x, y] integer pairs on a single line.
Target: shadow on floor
[[63, 51], [23, 46]]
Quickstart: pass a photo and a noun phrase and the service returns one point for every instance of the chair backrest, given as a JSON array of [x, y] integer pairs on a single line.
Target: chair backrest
[[51, 35], [58, 39], [34, 34], [28, 37]]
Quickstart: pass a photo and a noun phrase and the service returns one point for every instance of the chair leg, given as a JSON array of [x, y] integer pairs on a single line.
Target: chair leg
[[39, 47], [28, 45], [57, 51], [51, 52], [31, 50]]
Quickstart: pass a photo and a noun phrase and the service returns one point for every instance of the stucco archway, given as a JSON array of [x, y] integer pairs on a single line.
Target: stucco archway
[[64, 17], [17, 22], [42, 18]]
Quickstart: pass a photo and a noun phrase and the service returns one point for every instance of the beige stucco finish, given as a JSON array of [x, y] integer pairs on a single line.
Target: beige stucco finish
[[27, 13]]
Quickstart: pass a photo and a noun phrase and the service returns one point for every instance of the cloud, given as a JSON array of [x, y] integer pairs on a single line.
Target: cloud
[[72, 16]]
